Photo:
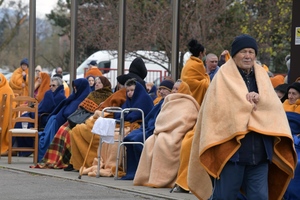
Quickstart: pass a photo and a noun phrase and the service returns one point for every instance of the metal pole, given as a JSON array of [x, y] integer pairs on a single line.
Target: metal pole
[[73, 58], [175, 39], [121, 47], [295, 43], [32, 46]]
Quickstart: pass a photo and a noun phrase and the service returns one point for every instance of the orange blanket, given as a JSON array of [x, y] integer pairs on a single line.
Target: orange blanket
[[159, 161], [44, 86], [194, 74], [81, 134], [5, 89], [16, 81], [222, 123]]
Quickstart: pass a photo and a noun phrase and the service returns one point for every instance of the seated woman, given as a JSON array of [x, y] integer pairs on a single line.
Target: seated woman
[[5, 89], [59, 115], [133, 151], [159, 161], [52, 98], [43, 80], [292, 108], [91, 80], [81, 134], [59, 152], [137, 97]]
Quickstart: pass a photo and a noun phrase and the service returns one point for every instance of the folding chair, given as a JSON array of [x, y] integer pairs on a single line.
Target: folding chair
[[108, 110], [15, 115], [121, 137], [2, 109]]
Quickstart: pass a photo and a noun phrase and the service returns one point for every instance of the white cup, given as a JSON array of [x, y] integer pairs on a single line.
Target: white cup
[[24, 125]]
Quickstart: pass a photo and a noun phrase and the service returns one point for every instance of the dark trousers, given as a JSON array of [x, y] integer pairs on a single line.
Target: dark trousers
[[253, 179]]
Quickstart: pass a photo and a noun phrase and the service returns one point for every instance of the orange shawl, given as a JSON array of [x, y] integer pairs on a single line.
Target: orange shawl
[[16, 81], [5, 89], [93, 72], [291, 107], [224, 119], [44, 86], [193, 73]]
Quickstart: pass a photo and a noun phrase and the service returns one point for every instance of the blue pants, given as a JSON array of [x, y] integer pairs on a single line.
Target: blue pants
[[253, 179]]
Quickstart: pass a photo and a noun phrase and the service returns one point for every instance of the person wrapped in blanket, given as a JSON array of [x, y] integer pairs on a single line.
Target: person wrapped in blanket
[[292, 109], [81, 134], [235, 146], [159, 160], [136, 97], [5, 89], [52, 98], [59, 115], [19, 78], [133, 151], [58, 154]]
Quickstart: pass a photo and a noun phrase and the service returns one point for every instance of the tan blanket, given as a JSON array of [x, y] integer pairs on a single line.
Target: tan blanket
[[222, 123], [159, 161]]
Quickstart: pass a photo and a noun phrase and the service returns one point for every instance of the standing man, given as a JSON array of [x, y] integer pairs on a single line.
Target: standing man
[[242, 138], [211, 63], [93, 70], [19, 78], [59, 70]]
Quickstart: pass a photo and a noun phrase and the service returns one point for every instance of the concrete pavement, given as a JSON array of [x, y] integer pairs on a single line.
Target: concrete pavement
[[22, 164]]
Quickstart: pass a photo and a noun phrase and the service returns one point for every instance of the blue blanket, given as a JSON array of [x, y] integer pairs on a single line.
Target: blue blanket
[[134, 151], [293, 192]]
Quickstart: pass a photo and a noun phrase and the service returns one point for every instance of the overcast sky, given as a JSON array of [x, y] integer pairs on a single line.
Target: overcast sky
[[43, 7]]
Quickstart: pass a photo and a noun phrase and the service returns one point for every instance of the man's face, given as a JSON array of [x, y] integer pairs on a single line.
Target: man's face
[[211, 62], [293, 95], [164, 92], [59, 71], [24, 67], [245, 58]]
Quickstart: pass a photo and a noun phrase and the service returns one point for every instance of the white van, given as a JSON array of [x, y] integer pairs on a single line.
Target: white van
[[156, 62]]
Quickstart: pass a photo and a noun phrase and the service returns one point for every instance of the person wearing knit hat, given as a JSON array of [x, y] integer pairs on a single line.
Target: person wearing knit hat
[[293, 91], [19, 78], [281, 91], [242, 42], [166, 84], [224, 136]]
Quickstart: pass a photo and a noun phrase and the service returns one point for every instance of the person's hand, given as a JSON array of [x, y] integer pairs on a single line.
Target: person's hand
[[97, 114], [253, 98], [23, 73], [23, 85]]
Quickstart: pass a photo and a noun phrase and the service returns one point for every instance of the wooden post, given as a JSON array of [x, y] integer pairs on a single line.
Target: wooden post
[[295, 43]]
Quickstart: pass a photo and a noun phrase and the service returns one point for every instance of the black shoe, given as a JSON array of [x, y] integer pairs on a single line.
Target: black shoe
[[178, 189], [69, 168]]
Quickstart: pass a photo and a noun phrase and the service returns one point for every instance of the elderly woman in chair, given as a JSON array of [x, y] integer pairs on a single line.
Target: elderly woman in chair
[[51, 99]]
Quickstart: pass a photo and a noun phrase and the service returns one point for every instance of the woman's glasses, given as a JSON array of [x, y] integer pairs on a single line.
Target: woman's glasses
[[52, 85]]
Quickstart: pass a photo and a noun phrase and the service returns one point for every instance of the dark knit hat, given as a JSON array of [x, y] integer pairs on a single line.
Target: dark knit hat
[[295, 86], [123, 78], [167, 84], [93, 63], [24, 61], [282, 88], [241, 42]]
